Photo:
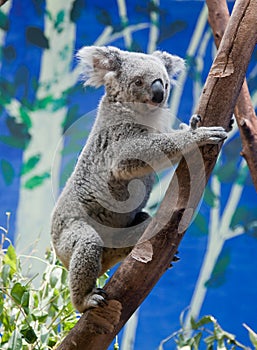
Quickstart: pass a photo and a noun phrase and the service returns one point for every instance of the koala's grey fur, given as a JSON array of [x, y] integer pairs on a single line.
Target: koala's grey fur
[[98, 217]]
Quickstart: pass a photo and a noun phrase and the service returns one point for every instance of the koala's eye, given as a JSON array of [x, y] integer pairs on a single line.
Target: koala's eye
[[138, 82], [166, 86]]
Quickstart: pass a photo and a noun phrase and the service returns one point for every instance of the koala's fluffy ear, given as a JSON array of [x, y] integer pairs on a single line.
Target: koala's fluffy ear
[[96, 62], [173, 64]]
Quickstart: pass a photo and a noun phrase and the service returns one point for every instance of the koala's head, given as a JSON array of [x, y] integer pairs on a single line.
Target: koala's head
[[129, 76]]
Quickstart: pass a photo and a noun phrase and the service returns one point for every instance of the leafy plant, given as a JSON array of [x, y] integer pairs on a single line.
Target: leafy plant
[[32, 318], [208, 333]]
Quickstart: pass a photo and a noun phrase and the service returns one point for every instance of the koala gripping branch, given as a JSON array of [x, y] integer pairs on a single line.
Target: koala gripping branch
[[134, 279]]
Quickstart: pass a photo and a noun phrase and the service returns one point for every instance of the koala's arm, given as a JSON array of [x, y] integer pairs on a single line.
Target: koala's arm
[[141, 155]]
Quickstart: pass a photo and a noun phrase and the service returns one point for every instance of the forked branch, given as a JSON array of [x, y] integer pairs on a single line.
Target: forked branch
[[133, 280], [244, 111]]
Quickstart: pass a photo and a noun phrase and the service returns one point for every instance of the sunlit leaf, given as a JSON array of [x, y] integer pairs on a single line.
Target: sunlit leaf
[[10, 259], [15, 342], [17, 292], [252, 335]]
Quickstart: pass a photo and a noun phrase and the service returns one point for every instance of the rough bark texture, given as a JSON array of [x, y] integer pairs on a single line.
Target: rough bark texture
[[244, 111], [133, 280]]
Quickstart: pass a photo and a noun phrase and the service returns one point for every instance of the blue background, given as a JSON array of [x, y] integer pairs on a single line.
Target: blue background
[[232, 288]]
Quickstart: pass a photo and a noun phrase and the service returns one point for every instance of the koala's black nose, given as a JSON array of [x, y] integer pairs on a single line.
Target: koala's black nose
[[157, 91]]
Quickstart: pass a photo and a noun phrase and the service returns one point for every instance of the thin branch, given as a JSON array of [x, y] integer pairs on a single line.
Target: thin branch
[[244, 111], [134, 280]]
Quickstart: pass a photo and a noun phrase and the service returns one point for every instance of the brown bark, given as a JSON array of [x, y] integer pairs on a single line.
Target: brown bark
[[244, 111], [3, 2], [133, 280]]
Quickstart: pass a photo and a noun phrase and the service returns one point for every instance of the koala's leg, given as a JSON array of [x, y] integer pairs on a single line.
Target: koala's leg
[[112, 256], [83, 247]]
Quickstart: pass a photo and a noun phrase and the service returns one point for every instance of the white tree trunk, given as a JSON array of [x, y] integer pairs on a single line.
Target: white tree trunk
[[36, 204], [5, 9]]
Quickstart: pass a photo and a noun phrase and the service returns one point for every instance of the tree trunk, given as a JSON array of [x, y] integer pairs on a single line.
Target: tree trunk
[[134, 279], [37, 197], [244, 111]]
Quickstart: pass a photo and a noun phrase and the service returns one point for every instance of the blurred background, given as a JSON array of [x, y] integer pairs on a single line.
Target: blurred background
[[45, 118]]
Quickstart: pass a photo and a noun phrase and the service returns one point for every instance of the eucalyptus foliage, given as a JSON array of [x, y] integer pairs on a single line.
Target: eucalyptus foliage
[[32, 318], [40, 317]]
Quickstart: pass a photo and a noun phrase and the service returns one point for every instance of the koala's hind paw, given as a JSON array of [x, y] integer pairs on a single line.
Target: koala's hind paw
[[94, 299]]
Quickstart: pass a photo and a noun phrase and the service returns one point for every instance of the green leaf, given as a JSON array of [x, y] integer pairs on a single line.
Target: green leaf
[[209, 197], [25, 117], [36, 37], [25, 302], [252, 335], [59, 21], [36, 181], [197, 338], [19, 135], [40, 316], [7, 172], [76, 10], [5, 273], [202, 322], [30, 164], [17, 292], [54, 277], [201, 224], [218, 276], [15, 342], [170, 29], [43, 103], [227, 172], [4, 21], [14, 141], [10, 259], [29, 334]]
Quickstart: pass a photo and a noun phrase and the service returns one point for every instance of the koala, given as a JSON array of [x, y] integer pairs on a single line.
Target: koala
[[99, 215]]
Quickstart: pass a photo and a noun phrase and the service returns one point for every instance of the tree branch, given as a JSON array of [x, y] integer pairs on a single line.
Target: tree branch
[[133, 280], [244, 111], [2, 2]]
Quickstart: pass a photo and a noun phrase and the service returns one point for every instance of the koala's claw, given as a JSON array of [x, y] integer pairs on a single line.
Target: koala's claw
[[96, 298], [210, 135], [100, 291], [194, 120], [193, 123]]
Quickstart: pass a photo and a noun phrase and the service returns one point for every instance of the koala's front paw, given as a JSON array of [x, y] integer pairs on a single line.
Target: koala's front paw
[[193, 123], [209, 135], [94, 299], [194, 120]]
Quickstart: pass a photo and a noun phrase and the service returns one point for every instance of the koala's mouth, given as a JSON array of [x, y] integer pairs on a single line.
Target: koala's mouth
[[152, 104]]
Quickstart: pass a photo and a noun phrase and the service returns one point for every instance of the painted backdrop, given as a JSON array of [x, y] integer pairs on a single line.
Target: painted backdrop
[[46, 115]]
